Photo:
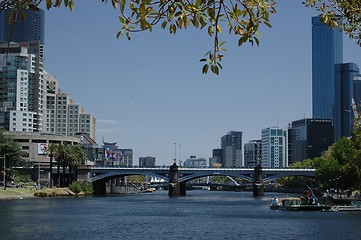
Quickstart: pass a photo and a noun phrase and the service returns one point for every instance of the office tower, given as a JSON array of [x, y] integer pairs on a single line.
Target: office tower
[[231, 145], [216, 159], [21, 81], [346, 89], [274, 148], [326, 52], [195, 162], [252, 153], [147, 161], [22, 31], [309, 138]]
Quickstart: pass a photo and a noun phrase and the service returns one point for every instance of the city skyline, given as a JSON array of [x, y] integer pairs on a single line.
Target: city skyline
[[168, 100]]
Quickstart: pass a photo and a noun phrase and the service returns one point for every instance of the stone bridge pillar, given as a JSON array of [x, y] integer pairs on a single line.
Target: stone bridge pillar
[[258, 188], [175, 188], [99, 188]]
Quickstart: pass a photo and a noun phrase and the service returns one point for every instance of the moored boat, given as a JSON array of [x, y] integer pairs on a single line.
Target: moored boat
[[296, 204], [308, 202]]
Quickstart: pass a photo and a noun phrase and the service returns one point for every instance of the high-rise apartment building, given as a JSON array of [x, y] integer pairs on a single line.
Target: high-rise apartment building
[[309, 138], [252, 153], [22, 31], [232, 153], [326, 52], [21, 84], [274, 148]]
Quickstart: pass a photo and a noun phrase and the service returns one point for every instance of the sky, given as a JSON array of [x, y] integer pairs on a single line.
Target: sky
[[149, 94]]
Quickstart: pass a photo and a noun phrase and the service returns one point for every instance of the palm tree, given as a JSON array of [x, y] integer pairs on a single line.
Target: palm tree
[[77, 157], [67, 155]]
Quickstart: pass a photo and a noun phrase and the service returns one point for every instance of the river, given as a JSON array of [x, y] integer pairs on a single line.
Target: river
[[199, 215]]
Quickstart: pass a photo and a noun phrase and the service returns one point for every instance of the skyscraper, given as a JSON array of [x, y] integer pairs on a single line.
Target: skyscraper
[[22, 31], [346, 88], [252, 153], [326, 52], [231, 145], [309, 138], [274, 148], [21, 84]]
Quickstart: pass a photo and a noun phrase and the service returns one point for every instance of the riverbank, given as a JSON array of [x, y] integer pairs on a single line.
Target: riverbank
[[31, 192], [17, 193]]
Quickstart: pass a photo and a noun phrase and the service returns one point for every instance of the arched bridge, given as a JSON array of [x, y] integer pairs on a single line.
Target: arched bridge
[[181, 175]]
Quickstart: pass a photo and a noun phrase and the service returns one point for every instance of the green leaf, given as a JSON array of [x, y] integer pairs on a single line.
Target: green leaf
[[210, 31], [203, 60], [122, 4], [205, 69], [115, 4], [164, 24], [242, 40], [23, 16], [48, 4], [71, 5], [128, 35], [119, 34]]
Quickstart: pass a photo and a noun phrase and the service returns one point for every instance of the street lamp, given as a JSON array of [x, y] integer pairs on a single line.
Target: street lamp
[[3, 157], [4, 174]]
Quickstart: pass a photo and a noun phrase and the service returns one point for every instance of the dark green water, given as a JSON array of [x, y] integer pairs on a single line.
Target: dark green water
[[199, 215]]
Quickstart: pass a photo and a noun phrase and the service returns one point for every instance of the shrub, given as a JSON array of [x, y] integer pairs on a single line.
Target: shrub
[[77, 187]]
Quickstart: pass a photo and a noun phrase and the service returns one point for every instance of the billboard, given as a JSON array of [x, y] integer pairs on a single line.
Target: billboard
[[42, 148], [115, 156]]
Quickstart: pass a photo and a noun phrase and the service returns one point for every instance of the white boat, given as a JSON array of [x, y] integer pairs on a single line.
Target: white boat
[[296, 204], [345, 208]]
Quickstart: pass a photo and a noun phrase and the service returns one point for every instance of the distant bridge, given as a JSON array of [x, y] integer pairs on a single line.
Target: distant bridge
[[100, 175]]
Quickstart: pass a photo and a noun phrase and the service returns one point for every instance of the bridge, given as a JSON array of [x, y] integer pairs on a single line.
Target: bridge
[[177, 177]]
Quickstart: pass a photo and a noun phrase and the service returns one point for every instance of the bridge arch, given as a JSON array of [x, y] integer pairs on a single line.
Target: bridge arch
[[112, 175], [188, 178]]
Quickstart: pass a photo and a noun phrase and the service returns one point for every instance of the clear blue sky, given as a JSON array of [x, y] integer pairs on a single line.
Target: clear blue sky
[[149, 93]]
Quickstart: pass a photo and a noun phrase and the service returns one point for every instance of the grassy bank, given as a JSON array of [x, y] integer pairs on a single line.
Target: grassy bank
[[21, 193], [17, 193]]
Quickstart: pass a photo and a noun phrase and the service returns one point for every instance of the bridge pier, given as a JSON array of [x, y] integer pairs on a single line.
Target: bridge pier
[[99, 188], [175, 188], [258, 187]]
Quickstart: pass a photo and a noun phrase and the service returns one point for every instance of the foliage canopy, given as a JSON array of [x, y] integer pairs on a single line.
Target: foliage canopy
[[243, 18]]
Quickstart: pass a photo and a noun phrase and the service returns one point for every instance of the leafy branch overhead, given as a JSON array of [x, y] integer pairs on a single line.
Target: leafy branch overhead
[[242, 18], [345, 14]]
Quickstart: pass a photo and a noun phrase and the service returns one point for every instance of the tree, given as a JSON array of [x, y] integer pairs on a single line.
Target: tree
[[11, 152], [67, 155], [243, 18]]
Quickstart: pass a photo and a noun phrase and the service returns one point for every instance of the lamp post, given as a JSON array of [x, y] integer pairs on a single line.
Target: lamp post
[[4, 176], [51, 170]]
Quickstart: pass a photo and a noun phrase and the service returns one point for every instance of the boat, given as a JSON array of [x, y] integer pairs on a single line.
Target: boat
[[308, 202], [297, 204], [344, 208]]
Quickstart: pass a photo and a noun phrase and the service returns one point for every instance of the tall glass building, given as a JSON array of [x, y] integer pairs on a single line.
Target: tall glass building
[[326, 52], [309, 138], [22, 31], [346, 88]]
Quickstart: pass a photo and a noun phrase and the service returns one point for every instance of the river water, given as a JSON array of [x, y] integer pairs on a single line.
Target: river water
[[199, 215]]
